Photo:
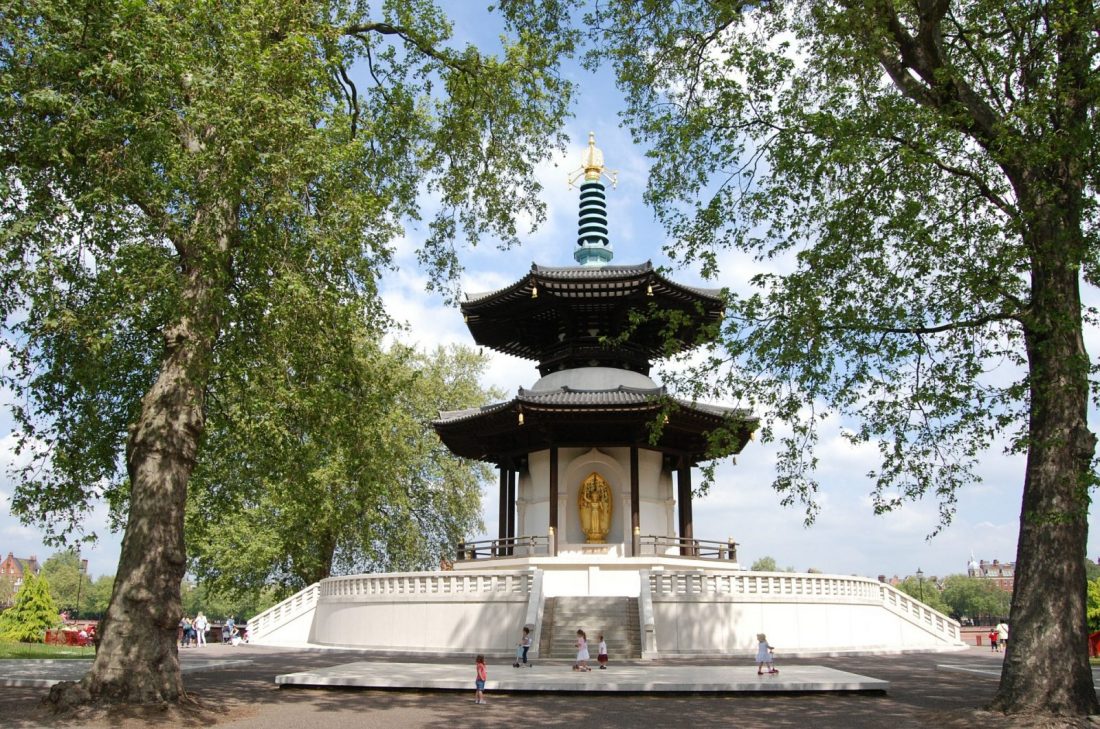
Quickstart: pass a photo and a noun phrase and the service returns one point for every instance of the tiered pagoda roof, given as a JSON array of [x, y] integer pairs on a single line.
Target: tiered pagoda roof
[[594, 329], [565, 317]]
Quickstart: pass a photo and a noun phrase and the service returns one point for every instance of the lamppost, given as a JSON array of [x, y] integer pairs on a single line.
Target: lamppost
[[80, 583], [920, 582]]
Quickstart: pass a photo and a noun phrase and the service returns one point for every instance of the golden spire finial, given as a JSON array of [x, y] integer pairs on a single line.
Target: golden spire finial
[[592, 167]]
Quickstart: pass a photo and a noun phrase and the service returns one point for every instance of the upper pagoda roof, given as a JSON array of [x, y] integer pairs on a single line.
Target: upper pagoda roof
[[564, 316]]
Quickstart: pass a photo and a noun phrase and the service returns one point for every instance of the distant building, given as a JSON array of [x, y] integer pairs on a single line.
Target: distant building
[[1003, 574], [16, 567]]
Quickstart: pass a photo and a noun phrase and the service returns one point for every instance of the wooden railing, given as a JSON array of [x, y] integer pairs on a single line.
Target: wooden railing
[[528, 546], [684, 547]]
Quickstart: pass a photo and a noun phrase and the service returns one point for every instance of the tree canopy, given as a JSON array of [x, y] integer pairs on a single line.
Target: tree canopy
[[189, 188], [915, 186], [69, 584], [311, 487]]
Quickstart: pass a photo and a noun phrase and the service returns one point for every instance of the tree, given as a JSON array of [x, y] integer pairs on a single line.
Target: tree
[[918, 182], [33, 613], [99, 595], [177, 177], [768, 564], [69, 585], [7, 591], [1094, 605], [976, 597], [337, 490], [926, 591]]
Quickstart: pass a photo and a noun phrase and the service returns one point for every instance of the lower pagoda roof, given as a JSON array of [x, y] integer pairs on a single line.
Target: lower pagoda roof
[[566, 417]]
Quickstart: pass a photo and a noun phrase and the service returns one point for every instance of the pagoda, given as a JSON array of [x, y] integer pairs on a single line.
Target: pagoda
[[588, 455], [595, 524]]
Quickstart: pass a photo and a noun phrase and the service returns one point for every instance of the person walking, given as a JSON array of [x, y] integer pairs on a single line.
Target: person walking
[[993, 638], [200, 625], [1002, 635], [479, 682], [522, 647], [582, 652], [764, 655]]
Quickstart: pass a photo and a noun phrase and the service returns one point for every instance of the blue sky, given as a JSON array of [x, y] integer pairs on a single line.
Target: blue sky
[[847, 537]]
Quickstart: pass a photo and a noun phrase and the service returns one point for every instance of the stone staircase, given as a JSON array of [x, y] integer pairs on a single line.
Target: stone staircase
[[615, 617]]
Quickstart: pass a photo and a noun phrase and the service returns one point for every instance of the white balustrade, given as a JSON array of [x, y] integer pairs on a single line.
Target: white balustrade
[[428, 583], [277, 615], [664, 584]]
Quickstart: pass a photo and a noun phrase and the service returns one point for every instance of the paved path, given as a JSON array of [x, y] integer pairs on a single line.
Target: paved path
[[547, 677], [926, 690]]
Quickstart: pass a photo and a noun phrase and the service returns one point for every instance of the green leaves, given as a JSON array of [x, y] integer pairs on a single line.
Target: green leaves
[[269, 151], [33, 613], [867, 205], [334, 474]]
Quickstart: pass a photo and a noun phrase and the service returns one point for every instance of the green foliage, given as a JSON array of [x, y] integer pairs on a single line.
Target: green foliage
[[7, 591], [156, 155], [68, 581], [219, 606], [33, 613], [1094, 604], [927, 591], [975, 597], [1092, 570], [888, 219], [94, 605], [310, 488], [768, 564]]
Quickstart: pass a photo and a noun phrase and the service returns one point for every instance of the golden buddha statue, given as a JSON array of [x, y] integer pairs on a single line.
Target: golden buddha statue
[[594, 503]]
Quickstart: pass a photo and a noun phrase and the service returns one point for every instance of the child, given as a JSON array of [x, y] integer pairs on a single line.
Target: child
[[993, 641], [482, 674], [522, 647], [582, 652], [601, 654], [764, 655]]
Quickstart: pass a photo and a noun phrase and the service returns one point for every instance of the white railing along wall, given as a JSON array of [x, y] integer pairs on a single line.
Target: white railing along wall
[[285, 611], [763, 584], [916, 611], [779, 585], [428, 583]]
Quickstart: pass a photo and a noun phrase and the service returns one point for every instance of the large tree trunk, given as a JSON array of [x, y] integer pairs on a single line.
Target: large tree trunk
[[136, 659], [1046, 668]]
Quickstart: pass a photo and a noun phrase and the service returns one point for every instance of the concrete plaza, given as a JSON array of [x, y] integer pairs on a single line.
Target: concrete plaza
[[235, 687]]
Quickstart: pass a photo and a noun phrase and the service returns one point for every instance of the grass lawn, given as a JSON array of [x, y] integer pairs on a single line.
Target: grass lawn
[[41, 650]]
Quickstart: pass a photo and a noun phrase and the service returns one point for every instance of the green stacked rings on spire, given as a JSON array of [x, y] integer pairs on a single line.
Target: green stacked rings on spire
[[593, 246]]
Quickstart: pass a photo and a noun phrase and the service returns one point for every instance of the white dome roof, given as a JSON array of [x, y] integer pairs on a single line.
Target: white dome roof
[[593, 378]]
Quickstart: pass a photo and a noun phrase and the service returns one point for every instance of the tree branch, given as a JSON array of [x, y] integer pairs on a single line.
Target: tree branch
[[938, 329], [359, 30], [939, 86], [986, 191]]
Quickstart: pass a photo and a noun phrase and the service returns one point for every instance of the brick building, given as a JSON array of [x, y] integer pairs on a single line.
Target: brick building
[[15, 567], [1002, 573]]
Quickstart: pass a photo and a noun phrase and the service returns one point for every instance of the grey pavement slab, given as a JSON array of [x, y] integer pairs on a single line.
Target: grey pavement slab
[[546, 677]]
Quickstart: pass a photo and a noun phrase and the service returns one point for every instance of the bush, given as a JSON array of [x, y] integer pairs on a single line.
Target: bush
[[33, 613]]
